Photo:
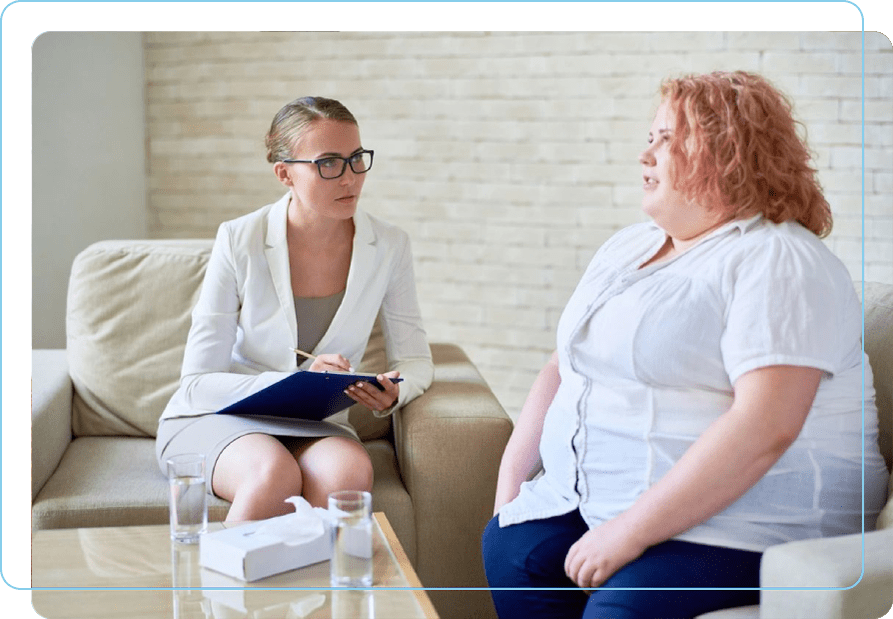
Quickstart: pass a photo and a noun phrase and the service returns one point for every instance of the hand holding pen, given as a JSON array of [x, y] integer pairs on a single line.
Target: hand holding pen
[[369, 395], [326, 362]]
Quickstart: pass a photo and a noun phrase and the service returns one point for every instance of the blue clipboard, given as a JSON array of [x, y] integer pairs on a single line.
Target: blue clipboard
[[303, 395]]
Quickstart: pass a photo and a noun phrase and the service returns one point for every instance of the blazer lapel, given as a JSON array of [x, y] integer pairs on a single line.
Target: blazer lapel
[[362, 268], [276, 250]]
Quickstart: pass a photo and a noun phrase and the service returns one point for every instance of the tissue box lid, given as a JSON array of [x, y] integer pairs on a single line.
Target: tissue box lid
[[241, 553]]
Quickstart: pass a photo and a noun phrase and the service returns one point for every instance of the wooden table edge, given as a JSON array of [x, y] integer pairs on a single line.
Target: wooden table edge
[[403, 561]]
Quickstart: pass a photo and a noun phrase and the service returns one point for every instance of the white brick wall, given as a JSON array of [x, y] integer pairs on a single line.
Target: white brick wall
[[508, 157]]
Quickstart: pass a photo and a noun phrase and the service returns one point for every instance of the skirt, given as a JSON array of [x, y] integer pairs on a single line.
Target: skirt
[[210, 434]]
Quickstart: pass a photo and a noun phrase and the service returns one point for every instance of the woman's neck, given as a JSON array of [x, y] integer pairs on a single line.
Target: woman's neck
[[674, 246], [681, 245], [314, 230]]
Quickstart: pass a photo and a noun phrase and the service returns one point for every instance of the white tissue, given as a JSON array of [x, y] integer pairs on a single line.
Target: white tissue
[[307, 523]]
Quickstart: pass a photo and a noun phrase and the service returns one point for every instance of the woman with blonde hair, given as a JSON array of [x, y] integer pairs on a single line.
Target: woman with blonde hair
[[310, 272], [706, 397]]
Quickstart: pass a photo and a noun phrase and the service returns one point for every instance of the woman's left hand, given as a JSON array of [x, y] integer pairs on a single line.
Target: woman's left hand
[[373, 397], [600, 552]]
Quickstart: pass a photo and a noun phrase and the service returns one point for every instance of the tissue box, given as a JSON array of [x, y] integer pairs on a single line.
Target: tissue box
[[247, 554]]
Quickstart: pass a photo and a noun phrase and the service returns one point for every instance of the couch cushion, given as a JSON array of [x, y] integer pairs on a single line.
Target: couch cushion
[[879, 348], [878, 304], [108, 481], [129, 311], [115, 481]]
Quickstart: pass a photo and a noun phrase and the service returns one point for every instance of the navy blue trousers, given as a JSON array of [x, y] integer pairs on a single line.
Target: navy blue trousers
[[531, 555]]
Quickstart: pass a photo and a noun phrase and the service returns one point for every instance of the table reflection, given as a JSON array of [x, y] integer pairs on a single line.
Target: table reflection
[[238, 601], [116, 556], [188, 602], [349, 604], [140, 568]]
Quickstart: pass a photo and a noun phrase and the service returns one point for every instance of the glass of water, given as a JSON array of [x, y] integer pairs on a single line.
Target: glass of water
[[189, 501], [351, 513]]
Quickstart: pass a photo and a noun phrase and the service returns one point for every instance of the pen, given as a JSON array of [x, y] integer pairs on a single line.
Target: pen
[[302, 353], [307, 354]]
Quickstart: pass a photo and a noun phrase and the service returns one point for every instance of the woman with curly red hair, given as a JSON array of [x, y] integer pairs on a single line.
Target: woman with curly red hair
[[705, 400]]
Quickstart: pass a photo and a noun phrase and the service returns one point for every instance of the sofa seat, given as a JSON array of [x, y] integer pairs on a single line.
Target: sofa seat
[[107, 481], [115, 481]]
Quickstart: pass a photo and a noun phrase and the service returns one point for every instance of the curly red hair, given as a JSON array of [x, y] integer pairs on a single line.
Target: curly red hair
[[735, 145]]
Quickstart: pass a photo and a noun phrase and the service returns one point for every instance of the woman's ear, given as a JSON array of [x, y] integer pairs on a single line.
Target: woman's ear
[[281, 171]]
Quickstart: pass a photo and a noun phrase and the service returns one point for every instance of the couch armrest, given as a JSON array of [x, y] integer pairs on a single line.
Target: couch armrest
[[449, 442], [829, 562], [51, 392]]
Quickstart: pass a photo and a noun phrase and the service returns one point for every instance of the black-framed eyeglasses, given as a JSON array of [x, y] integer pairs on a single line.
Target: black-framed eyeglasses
[[333, 167]]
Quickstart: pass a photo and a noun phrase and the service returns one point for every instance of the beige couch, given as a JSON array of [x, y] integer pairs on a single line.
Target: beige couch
[[96, 406], [835, 564]]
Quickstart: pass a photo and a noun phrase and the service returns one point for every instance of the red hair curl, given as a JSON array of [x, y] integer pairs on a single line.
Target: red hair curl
[[735, 145]]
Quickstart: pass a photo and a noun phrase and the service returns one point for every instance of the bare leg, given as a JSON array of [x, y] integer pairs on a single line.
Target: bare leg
[[331, 464], [256, 473]]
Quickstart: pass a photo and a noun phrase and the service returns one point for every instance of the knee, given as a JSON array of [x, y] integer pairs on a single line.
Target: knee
[[276, 476], [359, 474], [351, 470], [340, 465]]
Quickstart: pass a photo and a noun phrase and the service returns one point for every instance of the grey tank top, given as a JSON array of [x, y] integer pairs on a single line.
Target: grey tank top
[[314, 315]]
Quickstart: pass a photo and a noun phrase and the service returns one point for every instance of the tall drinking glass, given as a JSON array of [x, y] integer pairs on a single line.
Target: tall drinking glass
[[351, 538], [188, 500]]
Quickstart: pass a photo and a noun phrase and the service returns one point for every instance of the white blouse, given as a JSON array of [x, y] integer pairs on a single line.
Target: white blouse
[[648, 358]]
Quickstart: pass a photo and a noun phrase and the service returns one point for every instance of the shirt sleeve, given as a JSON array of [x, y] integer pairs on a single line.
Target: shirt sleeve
[[783, 308], [207, 383], [405, 339]]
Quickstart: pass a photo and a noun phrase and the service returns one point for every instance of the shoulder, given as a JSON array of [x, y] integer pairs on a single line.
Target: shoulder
[[256, 219], [786, 248], [253, 218], [254, 228], [787, 255]]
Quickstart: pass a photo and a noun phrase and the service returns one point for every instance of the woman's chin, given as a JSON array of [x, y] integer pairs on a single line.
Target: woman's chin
[[650, 208]]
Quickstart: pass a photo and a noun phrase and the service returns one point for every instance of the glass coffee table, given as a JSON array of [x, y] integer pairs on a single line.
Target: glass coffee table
[[138, 573]]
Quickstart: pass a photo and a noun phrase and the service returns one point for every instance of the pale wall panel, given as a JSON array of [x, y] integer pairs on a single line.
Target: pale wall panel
[[508, 157]]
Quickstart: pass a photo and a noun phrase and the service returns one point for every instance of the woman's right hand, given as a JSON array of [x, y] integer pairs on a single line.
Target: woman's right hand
[[330, 363]]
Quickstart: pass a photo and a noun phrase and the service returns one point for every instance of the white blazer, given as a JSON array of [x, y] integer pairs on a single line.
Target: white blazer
[[244, 325]]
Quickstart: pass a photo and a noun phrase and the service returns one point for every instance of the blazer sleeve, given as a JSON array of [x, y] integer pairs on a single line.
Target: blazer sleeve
[[207, 382], [406, 342]]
